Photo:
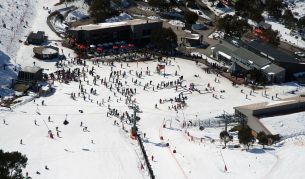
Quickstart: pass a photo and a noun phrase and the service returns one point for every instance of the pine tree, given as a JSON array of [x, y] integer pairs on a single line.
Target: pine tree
[[190, 17], [246, 137], [101, 10], [11, 165], [262, 138]]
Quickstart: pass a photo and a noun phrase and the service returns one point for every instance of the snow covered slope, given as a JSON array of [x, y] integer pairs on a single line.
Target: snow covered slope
[[16, 18], [15, 22]]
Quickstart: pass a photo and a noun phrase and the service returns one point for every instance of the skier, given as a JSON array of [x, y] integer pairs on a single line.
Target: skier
[[21, 141], [152, 158]]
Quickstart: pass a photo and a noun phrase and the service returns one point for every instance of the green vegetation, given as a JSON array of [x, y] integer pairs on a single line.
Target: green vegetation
[[164, 39], [246, 137], [101, 10], [11, 165], [190, 17], [233, 25]]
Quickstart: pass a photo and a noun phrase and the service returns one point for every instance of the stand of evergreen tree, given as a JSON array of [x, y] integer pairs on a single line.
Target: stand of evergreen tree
[[252, 9], [233, 25], [11, 165], [164, 39], [190, 17], [100, 10], [160, 4]]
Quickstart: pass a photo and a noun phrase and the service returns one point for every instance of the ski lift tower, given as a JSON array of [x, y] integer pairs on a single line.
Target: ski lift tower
[[134, 128]]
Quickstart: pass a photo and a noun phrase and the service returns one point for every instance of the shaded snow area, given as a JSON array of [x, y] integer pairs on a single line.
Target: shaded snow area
[[200, 13], [80, 10], [297, 7], [15, 23], [121, 17], [218, 11], [286, 124], [15, 20], [177, 23]]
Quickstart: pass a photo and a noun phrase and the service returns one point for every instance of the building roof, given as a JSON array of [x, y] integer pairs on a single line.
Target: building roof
[[273, 53], [252, 57], [272, 69], [38, 35], [223, 48], [264, 25], [45, 50], [266, 105], [193, 37], [29, 69], [238, 50], [113, 24]]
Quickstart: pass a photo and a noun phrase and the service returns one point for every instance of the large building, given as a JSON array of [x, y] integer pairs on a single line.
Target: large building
[[137, 31], [277, 56], [242, 60], [254, 112]]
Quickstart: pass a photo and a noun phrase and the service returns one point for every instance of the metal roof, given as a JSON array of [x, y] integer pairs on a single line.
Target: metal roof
[[114, 24], [248, 55], [272, 52], [240, 51], [38, 35], [273, 69], [264, 25]]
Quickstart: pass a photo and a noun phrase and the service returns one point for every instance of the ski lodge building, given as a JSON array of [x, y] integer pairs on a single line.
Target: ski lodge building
[[241, 60], [137, 31], [277, 56], [254, 112]]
